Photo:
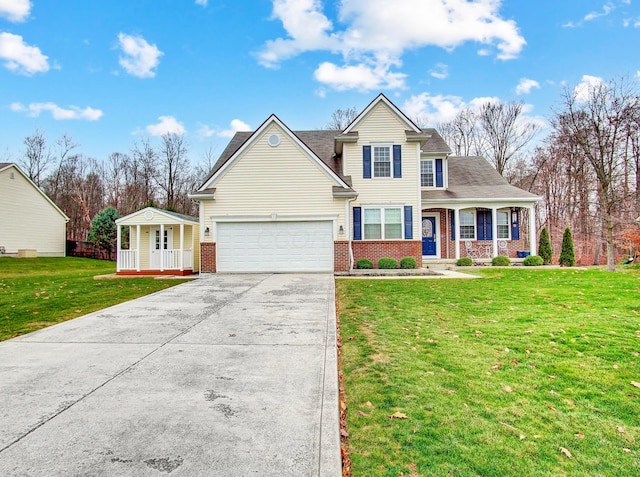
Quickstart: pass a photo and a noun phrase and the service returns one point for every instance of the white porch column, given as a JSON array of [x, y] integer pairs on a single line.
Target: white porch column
[[494, 231], [456, 226], [532, 230], [162, 247], [118, 247], [138, 247], [181, 247]]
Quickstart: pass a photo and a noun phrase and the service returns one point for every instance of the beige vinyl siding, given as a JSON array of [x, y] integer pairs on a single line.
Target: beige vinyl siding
[[267, 180], [27, 219], [381, 125]]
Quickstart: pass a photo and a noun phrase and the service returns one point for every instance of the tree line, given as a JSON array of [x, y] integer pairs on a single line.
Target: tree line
[[82, 186]]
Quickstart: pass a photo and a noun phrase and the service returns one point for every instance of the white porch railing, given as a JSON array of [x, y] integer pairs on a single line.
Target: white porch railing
[[126, 259], [171, 259]]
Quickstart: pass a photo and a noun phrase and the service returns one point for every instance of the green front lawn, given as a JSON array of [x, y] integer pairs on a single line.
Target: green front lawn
[[518, 373], [38, 292]]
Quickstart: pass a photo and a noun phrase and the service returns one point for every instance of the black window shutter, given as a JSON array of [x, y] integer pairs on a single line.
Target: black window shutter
[[453, 224], [357, 223], [439, 179], [366, 162], [397, 160], [484, 230], [515, 224], [408, 222]]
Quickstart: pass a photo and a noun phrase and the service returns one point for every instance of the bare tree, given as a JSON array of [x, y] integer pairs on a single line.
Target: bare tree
[[341, 118], [461, 133], [599, 125], [174, 168], [37, 158], [504, 132], [114, 173], [142, 171]]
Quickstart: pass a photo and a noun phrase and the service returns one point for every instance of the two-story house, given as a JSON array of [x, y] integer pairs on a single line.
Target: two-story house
[[283, 200]]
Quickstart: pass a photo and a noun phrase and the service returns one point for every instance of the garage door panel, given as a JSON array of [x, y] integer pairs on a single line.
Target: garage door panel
[[275, 246]]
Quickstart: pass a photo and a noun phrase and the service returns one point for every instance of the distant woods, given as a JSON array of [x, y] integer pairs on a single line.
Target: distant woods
[[159, 175]]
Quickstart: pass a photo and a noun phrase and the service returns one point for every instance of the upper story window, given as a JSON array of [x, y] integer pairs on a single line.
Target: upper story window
[[382, 161], [427, 173]]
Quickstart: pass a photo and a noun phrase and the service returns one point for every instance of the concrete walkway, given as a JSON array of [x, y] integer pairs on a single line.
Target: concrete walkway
[[230, 375]]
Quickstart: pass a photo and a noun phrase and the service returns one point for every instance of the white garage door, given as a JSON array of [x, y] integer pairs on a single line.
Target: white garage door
[[275, 247]]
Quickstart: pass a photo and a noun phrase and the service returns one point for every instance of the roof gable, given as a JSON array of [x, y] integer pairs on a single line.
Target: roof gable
[[382, 99], [8, 165], [147, 214], [312, 143]]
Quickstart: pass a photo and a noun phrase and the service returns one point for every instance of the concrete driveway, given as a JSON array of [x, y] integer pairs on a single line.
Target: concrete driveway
[[228, 375]]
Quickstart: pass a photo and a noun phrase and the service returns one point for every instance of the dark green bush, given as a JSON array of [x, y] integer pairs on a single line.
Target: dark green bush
[[544, 247], [364, 263], [464, 262], [501, 261], [408, 262], [387, 263], [567, 255], [533, 261]]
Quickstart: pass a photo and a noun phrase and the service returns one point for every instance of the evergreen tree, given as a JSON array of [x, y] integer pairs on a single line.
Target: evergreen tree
[[567, 255], [103, 228], [544, 247]]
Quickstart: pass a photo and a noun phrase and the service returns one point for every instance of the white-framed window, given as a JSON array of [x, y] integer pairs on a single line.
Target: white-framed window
[[427, 173], [382, 157], [382, 223], [504, 229], [467, 225]]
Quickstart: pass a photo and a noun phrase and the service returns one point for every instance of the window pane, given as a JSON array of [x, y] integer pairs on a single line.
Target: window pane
[[393, 216], [467, 225], [381, 161], [372, 216], [393, 231], [467, 218], [503, 225], [372, 231], [392, 223], [503, 218]]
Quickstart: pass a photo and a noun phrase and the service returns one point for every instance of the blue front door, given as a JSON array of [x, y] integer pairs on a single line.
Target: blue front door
[[429, 236]]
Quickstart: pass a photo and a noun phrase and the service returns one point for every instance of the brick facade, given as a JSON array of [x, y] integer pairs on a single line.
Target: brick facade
[[340, 256], [398, 249], [208, 257]]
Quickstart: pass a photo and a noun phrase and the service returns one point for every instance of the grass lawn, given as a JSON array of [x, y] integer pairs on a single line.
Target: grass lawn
[[38, 292], [518, 373]]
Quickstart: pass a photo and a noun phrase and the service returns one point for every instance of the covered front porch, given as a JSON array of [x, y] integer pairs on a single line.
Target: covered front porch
[[157, 242], [479, 231]]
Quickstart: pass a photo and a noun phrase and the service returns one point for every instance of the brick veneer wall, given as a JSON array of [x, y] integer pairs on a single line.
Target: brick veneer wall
[[207, 257], [340, 256], [398, 249]]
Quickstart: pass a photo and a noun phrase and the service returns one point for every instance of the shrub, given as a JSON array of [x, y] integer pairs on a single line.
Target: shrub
[[501, 261], [364, 263], [464, 262], [533, 261], [567, 255], [408, 262], [387, 263], [544, 247]]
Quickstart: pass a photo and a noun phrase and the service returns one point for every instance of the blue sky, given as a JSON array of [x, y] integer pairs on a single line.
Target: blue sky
[[111, 73]]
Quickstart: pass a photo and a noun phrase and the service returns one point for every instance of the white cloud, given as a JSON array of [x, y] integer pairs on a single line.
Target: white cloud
[[205, 131], [606, 9], [58, 113], [236, 125], [202, 2], [526, 85], [166, 125], [20, 57], [15, 10], [440, 71], [361, 77], [431, 109], [583, 90], [377, 33], [140, 58]]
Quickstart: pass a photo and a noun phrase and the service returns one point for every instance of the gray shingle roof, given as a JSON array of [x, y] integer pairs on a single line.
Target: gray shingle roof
[[5, 164], [474, 178], [435, 142], [181, 216]]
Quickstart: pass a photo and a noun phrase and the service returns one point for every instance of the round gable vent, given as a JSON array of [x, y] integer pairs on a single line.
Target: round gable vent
[[273, 140]]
